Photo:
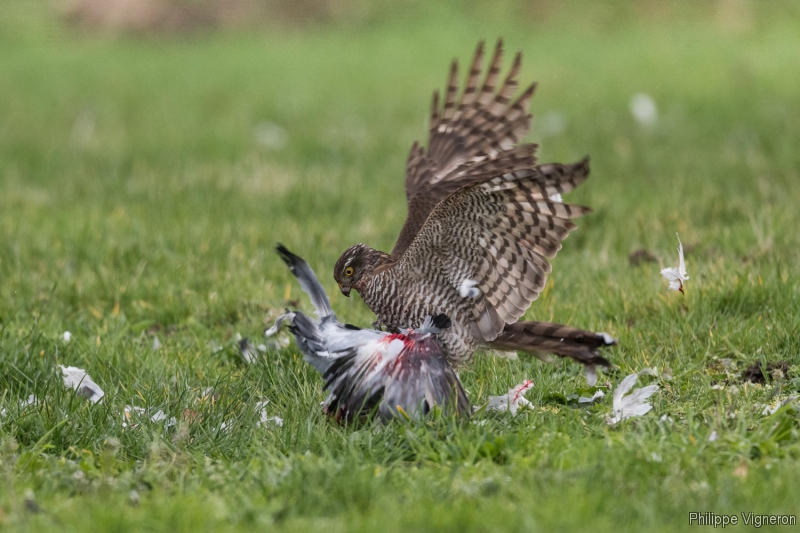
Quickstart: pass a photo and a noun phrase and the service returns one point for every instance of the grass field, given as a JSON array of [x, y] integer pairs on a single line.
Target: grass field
[[145, 181]]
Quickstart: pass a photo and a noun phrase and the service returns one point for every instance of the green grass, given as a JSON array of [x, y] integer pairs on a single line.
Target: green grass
[[136, 200]]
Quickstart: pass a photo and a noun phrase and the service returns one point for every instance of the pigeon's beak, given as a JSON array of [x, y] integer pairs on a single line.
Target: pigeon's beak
[[345, 290]]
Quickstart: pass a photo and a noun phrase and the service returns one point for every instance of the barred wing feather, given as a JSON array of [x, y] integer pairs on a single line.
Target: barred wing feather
[[471, 138], [500, 234]]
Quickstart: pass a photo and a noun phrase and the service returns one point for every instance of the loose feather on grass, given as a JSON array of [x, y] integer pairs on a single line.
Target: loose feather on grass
[[77, 379], [633, 404], [676, 276], [513, 400]]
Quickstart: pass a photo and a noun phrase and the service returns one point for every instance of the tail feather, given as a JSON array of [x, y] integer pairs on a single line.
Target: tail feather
[[563, 341]]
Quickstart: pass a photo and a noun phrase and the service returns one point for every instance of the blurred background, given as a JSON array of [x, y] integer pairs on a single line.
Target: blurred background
[[153, 151], [188, 16]]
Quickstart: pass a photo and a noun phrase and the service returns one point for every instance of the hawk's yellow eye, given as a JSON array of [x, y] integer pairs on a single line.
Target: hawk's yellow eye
[[348, 271]]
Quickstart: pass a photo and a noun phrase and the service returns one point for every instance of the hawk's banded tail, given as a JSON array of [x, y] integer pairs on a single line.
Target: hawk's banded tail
[[564, 341]]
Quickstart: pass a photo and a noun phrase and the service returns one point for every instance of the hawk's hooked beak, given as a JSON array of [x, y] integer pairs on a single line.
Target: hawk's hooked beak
[[345, 290]]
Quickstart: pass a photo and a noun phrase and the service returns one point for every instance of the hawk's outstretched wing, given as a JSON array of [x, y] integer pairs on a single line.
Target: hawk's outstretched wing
[[471, 139], [490, 241]]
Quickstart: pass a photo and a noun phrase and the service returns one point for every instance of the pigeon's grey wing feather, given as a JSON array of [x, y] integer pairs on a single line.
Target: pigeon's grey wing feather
[[310, 341], [286, 317], [353, 386], [308, 281]]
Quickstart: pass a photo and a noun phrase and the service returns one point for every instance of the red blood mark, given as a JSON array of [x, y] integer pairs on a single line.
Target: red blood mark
[[408, 344], [405, 338], [528, 383]]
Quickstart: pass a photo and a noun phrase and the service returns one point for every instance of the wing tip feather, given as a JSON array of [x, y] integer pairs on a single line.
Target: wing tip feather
[[288, 257]]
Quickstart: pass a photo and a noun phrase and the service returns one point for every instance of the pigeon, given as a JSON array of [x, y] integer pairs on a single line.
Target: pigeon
[[401, 374]]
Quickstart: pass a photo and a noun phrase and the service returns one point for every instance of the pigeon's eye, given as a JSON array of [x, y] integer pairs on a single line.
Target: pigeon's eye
[[348, 271]]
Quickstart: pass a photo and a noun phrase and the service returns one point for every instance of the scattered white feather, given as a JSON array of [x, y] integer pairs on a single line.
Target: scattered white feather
[[469, 289], [127, 415], [265, 418], [644, 110], [513, 400], [209, 394], [278, 421], [133, 412], [161, 416], [772, 408], [713, 436], [67, 336], [246, 350], [31, 400], [77, 379], [595, 397], [156, 344], [676, 276], [633, 404]]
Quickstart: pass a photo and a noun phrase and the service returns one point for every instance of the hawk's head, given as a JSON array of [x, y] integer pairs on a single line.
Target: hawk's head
[[355, 265]]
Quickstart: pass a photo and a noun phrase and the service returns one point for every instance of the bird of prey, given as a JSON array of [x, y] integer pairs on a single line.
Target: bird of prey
[[483, 220], [367, 370]]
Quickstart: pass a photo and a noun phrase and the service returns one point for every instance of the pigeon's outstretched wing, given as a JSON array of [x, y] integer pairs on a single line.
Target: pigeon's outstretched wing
[[308, 281], [472, 138]]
